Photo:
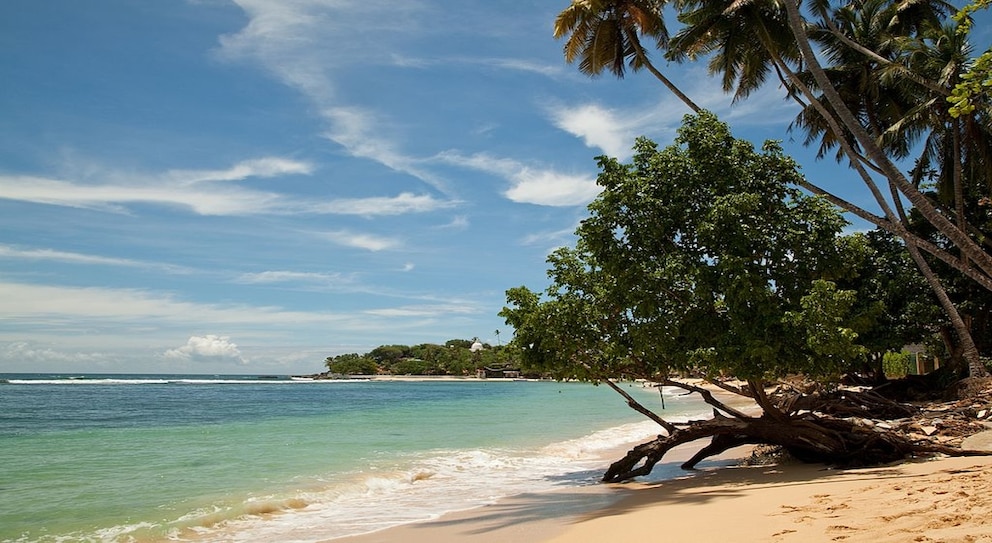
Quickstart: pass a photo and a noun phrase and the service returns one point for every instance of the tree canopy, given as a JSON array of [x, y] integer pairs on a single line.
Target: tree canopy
[[704, 256], [454, 357], [879, 82]]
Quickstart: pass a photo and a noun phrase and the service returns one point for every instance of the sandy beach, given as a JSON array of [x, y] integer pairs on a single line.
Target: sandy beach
[[944, 499]]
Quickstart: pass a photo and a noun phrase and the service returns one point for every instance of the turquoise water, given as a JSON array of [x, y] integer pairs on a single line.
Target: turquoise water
[[229, 458]]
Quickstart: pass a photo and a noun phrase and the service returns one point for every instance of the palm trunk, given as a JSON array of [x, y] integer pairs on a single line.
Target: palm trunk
[[959, 238], [661, 77]]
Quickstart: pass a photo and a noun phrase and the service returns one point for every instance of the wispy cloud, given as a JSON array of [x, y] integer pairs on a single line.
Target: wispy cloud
[[556, 238], [207, 192], [384, 205], [530, 185], [7, 251], [53, 304], [361, 132], [282, 276], [196, 190], [259, 167], [458, 222], [430, 310], [304, 42], [358, 240], [132, 316]]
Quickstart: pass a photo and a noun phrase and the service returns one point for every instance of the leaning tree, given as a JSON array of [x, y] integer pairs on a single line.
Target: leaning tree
[[705, 256]]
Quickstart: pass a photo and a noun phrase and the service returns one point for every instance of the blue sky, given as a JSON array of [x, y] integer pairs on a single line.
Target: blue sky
[[250, 186]]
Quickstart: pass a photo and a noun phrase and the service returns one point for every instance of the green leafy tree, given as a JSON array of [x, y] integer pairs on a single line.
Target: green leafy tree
[[700, 254], [705, 256], [894, 308], [388, 355], [873, 77], [352, 364]]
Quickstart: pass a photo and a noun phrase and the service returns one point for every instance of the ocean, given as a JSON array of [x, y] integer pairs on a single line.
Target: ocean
[[265, 459]]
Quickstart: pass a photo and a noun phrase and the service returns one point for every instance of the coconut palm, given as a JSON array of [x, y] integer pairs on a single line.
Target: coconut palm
[[604, 35], [748, 40]]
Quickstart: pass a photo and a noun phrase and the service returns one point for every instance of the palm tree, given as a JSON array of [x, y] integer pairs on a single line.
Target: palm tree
[[748, 39], [604, 35], [900, 186]]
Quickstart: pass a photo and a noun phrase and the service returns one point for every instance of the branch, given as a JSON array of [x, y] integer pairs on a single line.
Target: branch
[[906, 72], [636, 406], [708, 397]]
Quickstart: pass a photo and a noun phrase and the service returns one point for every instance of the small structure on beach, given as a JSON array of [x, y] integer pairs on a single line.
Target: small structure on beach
[[498, 372]]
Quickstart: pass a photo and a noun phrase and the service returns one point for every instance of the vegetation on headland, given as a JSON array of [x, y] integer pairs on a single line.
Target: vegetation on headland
[[713, 258], [455, 358]]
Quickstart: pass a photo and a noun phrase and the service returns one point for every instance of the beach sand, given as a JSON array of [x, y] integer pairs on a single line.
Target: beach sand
[[947, 500]]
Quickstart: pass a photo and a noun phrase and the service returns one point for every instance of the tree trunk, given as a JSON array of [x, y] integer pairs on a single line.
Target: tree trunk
[[960, 239], [809, 438], [969, 250], [661, 77]]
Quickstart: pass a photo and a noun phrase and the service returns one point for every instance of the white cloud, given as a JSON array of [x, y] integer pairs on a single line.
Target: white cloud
[[7, 251], [207, 347], [613, 130], [609, 130], [384, 205], [193, 189], [361, 241], [290, 276], [530, 185], [200, 192], [545, 187]]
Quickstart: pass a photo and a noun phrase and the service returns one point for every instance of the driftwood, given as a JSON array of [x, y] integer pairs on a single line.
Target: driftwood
[[843, 428]]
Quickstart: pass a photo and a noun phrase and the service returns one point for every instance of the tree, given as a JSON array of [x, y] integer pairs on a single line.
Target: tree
[[387, 355], [749, 40], [704, 256], [352, 364], [606, 33], [894, 308]]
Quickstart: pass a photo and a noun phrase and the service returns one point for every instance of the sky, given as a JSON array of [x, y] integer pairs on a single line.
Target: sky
[[251, 186]]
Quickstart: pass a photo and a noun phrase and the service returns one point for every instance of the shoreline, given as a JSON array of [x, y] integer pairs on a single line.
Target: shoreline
[[943, 499], [543, 516], [540, 516], [947, 499]]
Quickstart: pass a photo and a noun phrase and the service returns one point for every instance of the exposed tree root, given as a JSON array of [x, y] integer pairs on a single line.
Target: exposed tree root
[[841, 428]]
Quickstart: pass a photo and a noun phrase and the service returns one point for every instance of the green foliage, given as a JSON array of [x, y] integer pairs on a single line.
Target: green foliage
[[897, 365], [352, 364], [452, 358], [700, 255], [894, 305], [823, 319], [975, 86], [387, 355]]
